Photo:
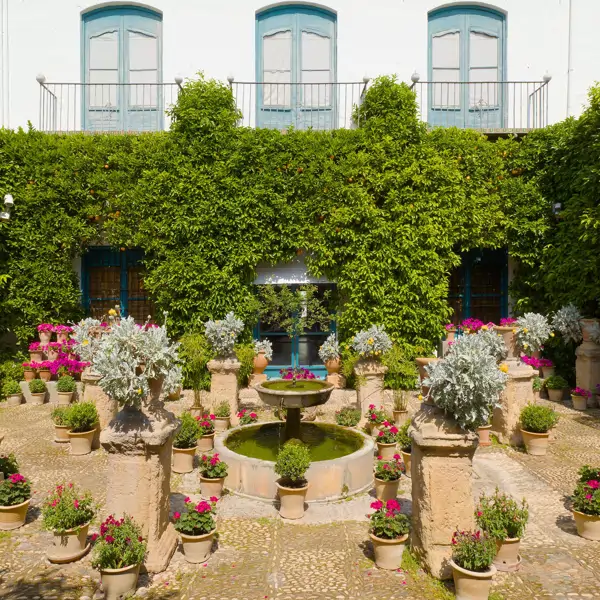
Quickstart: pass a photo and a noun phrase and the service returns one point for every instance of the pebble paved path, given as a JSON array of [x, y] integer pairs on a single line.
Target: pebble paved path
[[326, 555]]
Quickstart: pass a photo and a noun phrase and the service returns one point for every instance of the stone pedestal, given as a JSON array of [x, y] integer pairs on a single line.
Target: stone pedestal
[[107, 407], [442, 497], [370, 373], [256, 378], [587, 368], [51, 393], [338, 381], [139, 443], [224, 382]]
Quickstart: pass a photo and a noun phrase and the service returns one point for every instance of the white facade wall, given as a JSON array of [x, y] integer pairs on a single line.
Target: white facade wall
[[374, 37]]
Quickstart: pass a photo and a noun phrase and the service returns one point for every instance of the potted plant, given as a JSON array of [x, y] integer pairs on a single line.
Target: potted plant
[[404, 442], [375, 418], [347, 417], [263, 354], [387, 477], [65, 388], [222, 420], [45, 331], [504, 520], [44, 370], [400, 410], [483, 431], [61, 429], [197, 527], [556, 386], [37, 387], [247, 417], [206, 442], [8, 465], [15, 494], [12, 392], [119, 551], [547, 367], [185, 443], [292, 463], [62, 333], [67, 512], [586, 503], [222, 334], [579, 397], [471, 562], [450, 331], [172, 383], [29, 372], [386, 440], [537, 384], [36, 352], [388, 530], [212, 476], [536, 422], [533, 330], [329, 353], [82, 419]]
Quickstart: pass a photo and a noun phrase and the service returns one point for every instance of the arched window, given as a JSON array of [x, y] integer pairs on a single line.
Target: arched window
[[122, 68], [467, 67], [296, 66]]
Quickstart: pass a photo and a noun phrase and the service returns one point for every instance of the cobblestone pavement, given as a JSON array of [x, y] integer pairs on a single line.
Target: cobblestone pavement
[[326, 556]]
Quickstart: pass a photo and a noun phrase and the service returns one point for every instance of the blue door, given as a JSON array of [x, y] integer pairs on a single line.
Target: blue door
[[296, 68], [466, 68], [122, 67]]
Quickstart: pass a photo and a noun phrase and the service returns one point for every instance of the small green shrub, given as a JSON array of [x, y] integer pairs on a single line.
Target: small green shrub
[[403, 439], [66, 384], [347, 416], [556, 382], [400, 400], [402, 369], [292, 463], [223, 409], [14, 490], [586, 473], [536, 418], [501, 516], [12, 369], [189, 432], [195, 352], [8, 464], [37, 386], [66, 508], [81, 417], [473, 551], [245, 354], [10, 388], [59, 415], [537, 384]]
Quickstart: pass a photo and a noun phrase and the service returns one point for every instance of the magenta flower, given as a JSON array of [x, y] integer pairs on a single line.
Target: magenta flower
[[176, 515], [109, 539], [214, 499], [94, 537], [378, 504], [594, 484]]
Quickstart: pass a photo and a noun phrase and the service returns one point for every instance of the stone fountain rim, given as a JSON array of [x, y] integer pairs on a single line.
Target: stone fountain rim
[[327, 387]]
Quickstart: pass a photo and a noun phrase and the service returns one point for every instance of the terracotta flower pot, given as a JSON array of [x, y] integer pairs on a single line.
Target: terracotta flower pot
[[119, 583], [588, 526], [45, 336], [259, 363], [586, 328], [291, 501], [400, 417], [471, 585], [386, 451], [37, 399], [556, 395], [508, 335], [183, 459], [61, 338], [536, 444], [211, 487], [52, 354], [173, 396], [579, 402], [450, 335], [484, 435], [14, 400], [45, 374], [28, 374], [64, 398], [36, 356], [206, 443], [13, 517], [386, 490], [81, 443], [507, 557], [61, 434], [333, 366], [70, 545], [197, 548], [406, 461], [222, 423], [388, 553], [547, 372]]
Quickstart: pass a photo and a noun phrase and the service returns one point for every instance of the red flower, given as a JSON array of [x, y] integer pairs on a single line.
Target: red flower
[[394, 430], [214, 499], [380, 434], [396, 457], [594, 484], [253, 416], [76, 504], [377, 505], [187, 498], [94, 537], [212, 417], [109, 539], [176, 515]]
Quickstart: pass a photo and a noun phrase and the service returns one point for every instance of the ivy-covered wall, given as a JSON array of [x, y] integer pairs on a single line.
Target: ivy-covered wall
[[383, 210]]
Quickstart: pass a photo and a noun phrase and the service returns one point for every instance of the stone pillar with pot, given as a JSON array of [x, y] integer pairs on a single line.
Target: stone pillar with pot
[[333, 373], [258, 367], [139, 443], [370, 373], [107, 407], [587, 365], [422, 362], [442, 495], [224, 382]]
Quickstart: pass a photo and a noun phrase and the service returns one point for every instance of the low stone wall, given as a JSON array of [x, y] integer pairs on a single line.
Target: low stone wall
[[51, 393]]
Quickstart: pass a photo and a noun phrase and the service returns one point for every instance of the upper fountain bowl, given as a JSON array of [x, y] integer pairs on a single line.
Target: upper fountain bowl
[[283, 392]]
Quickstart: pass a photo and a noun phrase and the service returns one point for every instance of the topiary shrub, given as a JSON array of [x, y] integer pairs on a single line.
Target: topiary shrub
[[37, 386], [11, 388], [536, 418], [404, 440], [189, 432], [556, 382], [59, 416], [81, 417], [347, 416], [66, 384], [292, 463]]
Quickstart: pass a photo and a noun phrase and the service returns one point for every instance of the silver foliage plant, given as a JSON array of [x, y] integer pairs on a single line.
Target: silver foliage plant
[[595, 333], [87, 335], [330, 350], [467, 384], [487, 339], [264, 346], [372, 342], [173, 379], [566, 322], [223, 334], [533, 330]]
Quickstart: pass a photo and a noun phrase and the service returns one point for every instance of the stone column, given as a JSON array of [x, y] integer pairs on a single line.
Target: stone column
[[107, 407], [587, 365], [337, 380], [442, 496], [224, 382], [139, 443], [370, 373]]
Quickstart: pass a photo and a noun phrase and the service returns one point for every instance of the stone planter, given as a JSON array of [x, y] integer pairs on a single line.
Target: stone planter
[[588, 526], [471, 585], [507, 557], [579, 402], [206, 443], [556, 395], [508, 335], [61, 434], [52, 354], [45, 375], [484, 435], [64, 398], [386, 451], [536, 444], [28, 374], [547, 372], [14, 400], [406, 461], [400, 417], [291, 501], [370, 373], [37, 399], [421, 364], [259, 363], [197, 548], [119, 583], [36, 356], [386, 490], [45, 337], [222, 423], [174, 396], [388, 553], [211, 487], [13, 517], [81, 443], [183, 460], [586, 328], [70, 545], [333, 366], [224, 382]]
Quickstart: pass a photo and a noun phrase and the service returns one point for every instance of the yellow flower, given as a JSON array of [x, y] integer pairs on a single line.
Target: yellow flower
[[112, 312], [377, 352], [525, 330], [85, 342], [503, 368], [484, 327], [552, 334], [525, 345], [370, 341], [139, 391], [420, 397], [515, 330]]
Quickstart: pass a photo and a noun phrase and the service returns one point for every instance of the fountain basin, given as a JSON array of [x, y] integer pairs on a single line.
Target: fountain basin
[[306, 392]]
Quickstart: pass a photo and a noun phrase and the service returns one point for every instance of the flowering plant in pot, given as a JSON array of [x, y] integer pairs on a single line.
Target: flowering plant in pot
[[579, 397], [547, 367], [45, 331], [173, 382], [451, 329], [67, 512], [185, 443], [206, 441], [388, 530], [212, 475], [8, 465], [329, 353], [404, 442], [536, 385], [62, 332], [296, 373], [533, 330], [11, 390], [347, 416], [247, 417], [504, 520], [472, 555], [263, 354], [29, 372], [386, 440], [222, 420], [65, 388], [118, 553], [508, 322], [586, 503], [36, 351], [15, 494], [536, 422], [43, 369], [223, 334], [37, 388], [387, 475], [82, 419], [556, 386], [567, 321], [372, 342], [375, 417], [61, 428], [292, 463], [400, 410], [197, 527]]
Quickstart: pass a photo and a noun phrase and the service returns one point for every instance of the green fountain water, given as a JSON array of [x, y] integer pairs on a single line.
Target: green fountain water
[[300, 385]]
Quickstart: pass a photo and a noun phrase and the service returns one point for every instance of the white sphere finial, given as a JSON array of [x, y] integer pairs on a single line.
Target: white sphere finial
[[547, 77], [366, 79], [40, 78], [9, 200], [415, 77], [178, 79], [230, 78]]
